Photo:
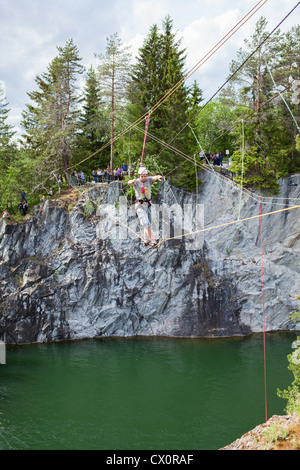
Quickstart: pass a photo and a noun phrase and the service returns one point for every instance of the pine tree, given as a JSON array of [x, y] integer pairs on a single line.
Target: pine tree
[[159, 67], [174, 111], [113, 74], [252, 78], [286, 75], [145, 88], [52, 120], [93, 123], [7, 149], [6, 130], [14, 163], [195, 98], [144, 91], [267, 144]]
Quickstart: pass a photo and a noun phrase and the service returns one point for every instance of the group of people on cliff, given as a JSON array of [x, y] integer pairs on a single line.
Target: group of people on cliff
[[107, 175], [101, 175], [22, 206], [216, 158]]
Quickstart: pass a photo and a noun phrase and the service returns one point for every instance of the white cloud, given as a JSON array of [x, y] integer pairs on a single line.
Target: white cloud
[[135, 44], [206, 45], [146, 13]]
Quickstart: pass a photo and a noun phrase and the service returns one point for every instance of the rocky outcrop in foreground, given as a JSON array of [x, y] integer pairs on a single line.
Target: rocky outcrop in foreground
[[278, 433], [71, 274]]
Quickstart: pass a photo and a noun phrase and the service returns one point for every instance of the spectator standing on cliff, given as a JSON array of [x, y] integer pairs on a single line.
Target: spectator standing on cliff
[[94, 175], [81, 178], [221, 158], [108, 174], [23, 207], [59, 184], [120, 173], [23, 196], [142, 187], [5, 215]]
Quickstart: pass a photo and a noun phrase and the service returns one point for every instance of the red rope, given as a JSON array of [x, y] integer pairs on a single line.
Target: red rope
[[263, 304], [146, 130]]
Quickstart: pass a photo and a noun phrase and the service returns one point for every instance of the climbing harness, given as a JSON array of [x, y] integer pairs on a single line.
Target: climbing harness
[[141, 201]]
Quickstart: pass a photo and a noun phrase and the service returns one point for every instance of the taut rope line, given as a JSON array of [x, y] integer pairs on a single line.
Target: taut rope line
[[229, 223], [263, 306]]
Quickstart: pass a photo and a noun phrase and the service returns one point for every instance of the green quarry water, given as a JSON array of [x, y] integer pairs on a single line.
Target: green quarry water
[[139, 393]]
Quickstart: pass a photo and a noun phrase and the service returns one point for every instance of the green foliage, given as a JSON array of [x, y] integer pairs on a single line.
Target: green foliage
[[186, 175], [50, 121], [64, 127], [292, 393], [14, 164], [252, 168], [93, 126], [89, 208], [16, 177], [270, 151], [212, 123], [114, 70], [6, 130], [159, 67]]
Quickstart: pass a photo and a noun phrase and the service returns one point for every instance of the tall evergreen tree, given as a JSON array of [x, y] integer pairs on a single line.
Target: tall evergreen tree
[[252, 92], [145, 90], [252, 79], [159, 67], [6, 130], [286, 75], [14, 163], [195, 98], [51, 121], [113, 73], [93, 123]]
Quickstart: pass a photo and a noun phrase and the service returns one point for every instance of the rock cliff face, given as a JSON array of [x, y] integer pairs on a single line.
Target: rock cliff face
[[85, 274]]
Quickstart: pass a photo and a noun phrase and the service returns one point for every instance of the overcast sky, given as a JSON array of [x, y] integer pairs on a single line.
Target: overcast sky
[[31, 30]]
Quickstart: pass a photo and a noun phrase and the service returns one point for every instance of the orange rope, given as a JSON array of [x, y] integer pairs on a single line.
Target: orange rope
[[263, 307]]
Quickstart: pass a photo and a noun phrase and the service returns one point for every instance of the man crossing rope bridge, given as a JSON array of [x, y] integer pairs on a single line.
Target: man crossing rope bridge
[[142, 187]]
